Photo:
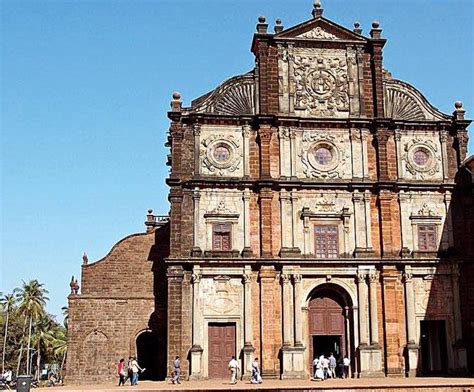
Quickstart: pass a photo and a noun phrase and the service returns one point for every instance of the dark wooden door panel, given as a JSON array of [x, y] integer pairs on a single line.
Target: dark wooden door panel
[[221, 348]]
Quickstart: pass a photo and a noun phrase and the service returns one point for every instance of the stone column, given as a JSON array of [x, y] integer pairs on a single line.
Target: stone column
[[398, 149], [365, 133], [196, 251], [357, 153], [247, 251], [293, 151], [287, 300], [285, 152], [248, 324], [197, 158], [374, 326], [298, 311], [285, 219], [196, 349], [448, 219], [355, 319], [246, 149], [412, 347], [294, 220], [443, 137], [459, 348], [404, 210], [368, 219], [359, 222], [362, 291]]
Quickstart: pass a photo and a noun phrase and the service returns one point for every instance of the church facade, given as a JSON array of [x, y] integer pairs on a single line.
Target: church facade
[[312, 210]]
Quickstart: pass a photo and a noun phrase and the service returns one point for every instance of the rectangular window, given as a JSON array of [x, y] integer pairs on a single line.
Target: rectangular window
[[427, 238], [326, 242], [221, 236]]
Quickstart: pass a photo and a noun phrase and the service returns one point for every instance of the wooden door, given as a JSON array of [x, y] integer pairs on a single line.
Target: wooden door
[[221, 348], [326, 319]]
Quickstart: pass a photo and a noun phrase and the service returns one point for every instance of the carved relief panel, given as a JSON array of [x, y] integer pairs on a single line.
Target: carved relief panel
[[433, 295], [420, 157], [324, 154], [316, 82], [221, 296], [221, 152]]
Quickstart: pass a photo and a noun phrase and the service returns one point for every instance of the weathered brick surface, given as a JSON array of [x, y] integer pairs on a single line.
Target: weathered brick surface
[[121, 297]]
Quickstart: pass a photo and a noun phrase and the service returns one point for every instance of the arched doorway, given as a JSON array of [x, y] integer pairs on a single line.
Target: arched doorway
[[330, 323], [148, 345]]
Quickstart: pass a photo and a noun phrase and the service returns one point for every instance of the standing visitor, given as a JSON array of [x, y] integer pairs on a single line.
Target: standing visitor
[[121, 372], [332, 366], [256, 377], [233, 366], [129, 370], [135, 369], [346, 362], [176, 370], [325, 364]]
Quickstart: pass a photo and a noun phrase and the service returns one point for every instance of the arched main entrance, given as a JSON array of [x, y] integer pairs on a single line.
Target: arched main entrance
[[330, 322], [148, 345]]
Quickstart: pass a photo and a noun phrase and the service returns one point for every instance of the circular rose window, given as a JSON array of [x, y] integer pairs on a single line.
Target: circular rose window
[[323, 156], [421, 157], [221, 154]]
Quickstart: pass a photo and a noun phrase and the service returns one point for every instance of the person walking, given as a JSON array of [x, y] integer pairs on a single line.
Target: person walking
[[233, 367], [129, 371], [135, 369], [176, 370], [332, 366], [256, 377], [347, 363], [318, 372], [121, 372]]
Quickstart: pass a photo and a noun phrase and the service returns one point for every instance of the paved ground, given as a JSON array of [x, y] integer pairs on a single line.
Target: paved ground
[[442, 384]]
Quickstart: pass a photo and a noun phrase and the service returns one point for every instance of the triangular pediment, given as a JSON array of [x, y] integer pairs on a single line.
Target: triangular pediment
[[320, 29]]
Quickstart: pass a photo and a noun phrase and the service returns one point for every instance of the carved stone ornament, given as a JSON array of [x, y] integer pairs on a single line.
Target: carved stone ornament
[[421, 158], [221, 154], [323, 155], [220, 210], [321, 84], [318, 33], [235, 96], [404, 102]]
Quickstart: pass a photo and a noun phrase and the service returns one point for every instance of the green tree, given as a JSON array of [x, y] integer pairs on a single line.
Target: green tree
[[32, 299], [7, 302], [43, 338]]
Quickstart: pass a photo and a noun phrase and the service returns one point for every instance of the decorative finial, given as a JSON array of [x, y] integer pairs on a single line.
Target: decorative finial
[[278, 26], [150, 211], [357, 28], [376, 31], [85, 259], [261, 25], [176, 102], [459, 112], [317, 10]]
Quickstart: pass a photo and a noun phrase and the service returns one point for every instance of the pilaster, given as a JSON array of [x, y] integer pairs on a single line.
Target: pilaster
[[411, 347]]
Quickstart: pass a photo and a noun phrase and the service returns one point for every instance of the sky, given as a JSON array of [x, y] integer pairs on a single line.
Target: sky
[[85, 87]]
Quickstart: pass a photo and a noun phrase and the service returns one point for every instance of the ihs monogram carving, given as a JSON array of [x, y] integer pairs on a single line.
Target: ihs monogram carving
[[431, 159], [220, 154], [318, 33], [321, 84], [332, 145]]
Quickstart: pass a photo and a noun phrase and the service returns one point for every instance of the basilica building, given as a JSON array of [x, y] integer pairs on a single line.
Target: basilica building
[[314, 203]]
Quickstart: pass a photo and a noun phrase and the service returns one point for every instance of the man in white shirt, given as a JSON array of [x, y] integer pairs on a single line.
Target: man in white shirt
[[233, 366], [346, 362]]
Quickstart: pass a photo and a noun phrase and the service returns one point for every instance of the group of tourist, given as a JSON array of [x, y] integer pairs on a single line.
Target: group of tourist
[[130, 372], [329, 367], [255, 377]]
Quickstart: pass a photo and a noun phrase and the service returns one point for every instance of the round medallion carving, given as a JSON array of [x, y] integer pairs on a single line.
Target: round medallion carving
[[324, 156]]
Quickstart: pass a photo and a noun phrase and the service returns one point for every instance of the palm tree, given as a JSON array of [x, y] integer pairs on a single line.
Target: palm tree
[[7, 303], [32, 299], [42, 338], [60, 346]]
